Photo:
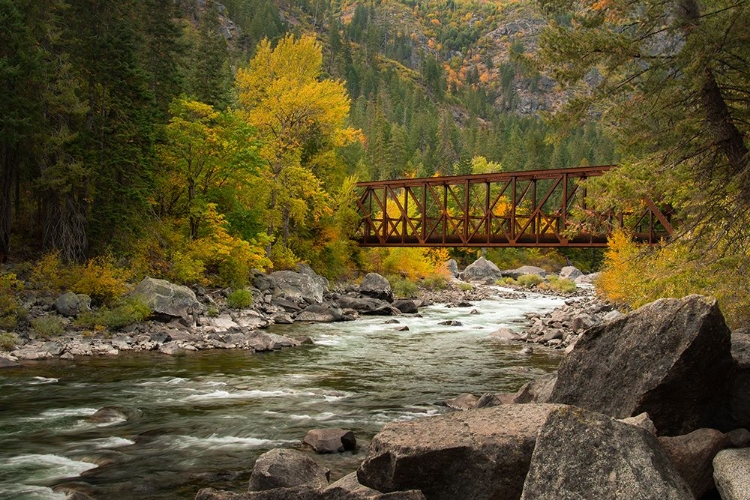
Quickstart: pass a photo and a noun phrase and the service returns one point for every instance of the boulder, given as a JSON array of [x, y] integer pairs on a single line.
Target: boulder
[[452, 267], [670, 358], [693, 454], [477, 454], [406, 306], [504, 335], [367, 305], [376, 286], [330, 440], [522, 271], [303, 492], [462, 402], [298, 287], [583, 454], [740, 438], [168, 299], [643, 421], [732, 474], [282, 468], [741, 387], [537, 390], [587, 279], [570, 273], [481, 270], [8, 361], [320, 280], [320, 313], [72, 304], [348, 488]]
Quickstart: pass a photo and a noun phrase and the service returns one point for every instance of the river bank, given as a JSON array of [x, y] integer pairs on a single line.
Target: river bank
[[205, 417], [186, 320]]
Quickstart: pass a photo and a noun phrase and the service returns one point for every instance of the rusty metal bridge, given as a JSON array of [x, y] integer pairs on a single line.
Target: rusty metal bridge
[[504, 209]]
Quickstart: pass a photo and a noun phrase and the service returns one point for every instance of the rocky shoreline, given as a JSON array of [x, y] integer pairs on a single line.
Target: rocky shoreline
[[652, 405], [187, 320]]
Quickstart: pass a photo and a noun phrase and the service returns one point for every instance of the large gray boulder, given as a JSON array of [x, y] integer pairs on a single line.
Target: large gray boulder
[[582, 454], [72, 304], [477, 454], [348, 488], [168, 299], [670, 358], [732, 474], [320, 313], [284, 468], [570, 272], [741, 388], [368, 306], [376, 286], [298, 287], [481, 270], [693, 454], [332, 440]]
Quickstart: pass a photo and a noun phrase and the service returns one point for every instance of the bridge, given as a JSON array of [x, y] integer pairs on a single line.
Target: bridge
[[504, 209]]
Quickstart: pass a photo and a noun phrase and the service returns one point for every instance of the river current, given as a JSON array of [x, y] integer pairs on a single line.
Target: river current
[[202, 419]]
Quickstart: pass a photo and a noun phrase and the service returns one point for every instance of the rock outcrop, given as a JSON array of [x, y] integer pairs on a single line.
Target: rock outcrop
[[282, 468], [481, 270], [477, 454], [376, 286], [330, 440], [168, 299], [583, 454], [670, 358]]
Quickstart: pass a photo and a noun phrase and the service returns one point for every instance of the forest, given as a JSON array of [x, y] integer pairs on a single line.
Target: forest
[[197, 140]]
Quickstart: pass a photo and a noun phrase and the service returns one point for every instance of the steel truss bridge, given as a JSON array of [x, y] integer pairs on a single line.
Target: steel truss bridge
[[504, 209]]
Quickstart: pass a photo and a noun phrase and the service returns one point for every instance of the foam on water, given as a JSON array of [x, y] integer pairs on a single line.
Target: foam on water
[[40, 468], [29, 492], [42, 380], [220, 442], [111, 442]]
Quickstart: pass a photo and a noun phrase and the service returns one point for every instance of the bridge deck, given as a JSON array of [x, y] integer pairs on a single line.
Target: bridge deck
[[504, 209]]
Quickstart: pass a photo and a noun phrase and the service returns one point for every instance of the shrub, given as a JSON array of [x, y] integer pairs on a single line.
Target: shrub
[[50, 274], [9, 307], [101, 280], [465, 287], [507, 281], [403, 287], [187, 270], [240, 299], [128, 311], [435, 282], [8, 341], [48, 327], [529, 280], [562, 285]]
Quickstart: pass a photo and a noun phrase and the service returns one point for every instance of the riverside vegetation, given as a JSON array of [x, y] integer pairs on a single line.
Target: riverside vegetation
[[166, 136]]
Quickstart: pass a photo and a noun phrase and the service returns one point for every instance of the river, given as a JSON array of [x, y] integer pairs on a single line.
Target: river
[[203, 419]]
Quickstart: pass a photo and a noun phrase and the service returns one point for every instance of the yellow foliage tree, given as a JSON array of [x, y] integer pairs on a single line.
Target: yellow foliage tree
[[298, 116]]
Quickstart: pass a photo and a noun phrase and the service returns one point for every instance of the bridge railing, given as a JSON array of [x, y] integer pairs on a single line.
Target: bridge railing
[[504, 209]]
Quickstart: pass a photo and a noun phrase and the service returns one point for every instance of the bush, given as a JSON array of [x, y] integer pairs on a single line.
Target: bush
[[507, 281], [101, 280], [435, 282], [126, 312], [240, 299], [465, 287], [47, 327], [529, 280], [557, 284], [50, 274], [403, 287], [8, 341], [9, 307], [187, 270]]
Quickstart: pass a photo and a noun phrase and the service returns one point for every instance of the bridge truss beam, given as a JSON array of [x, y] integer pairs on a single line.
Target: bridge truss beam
[[505, 209]]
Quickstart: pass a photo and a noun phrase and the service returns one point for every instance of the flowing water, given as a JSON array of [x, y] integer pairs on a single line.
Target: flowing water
[[201, 420]]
